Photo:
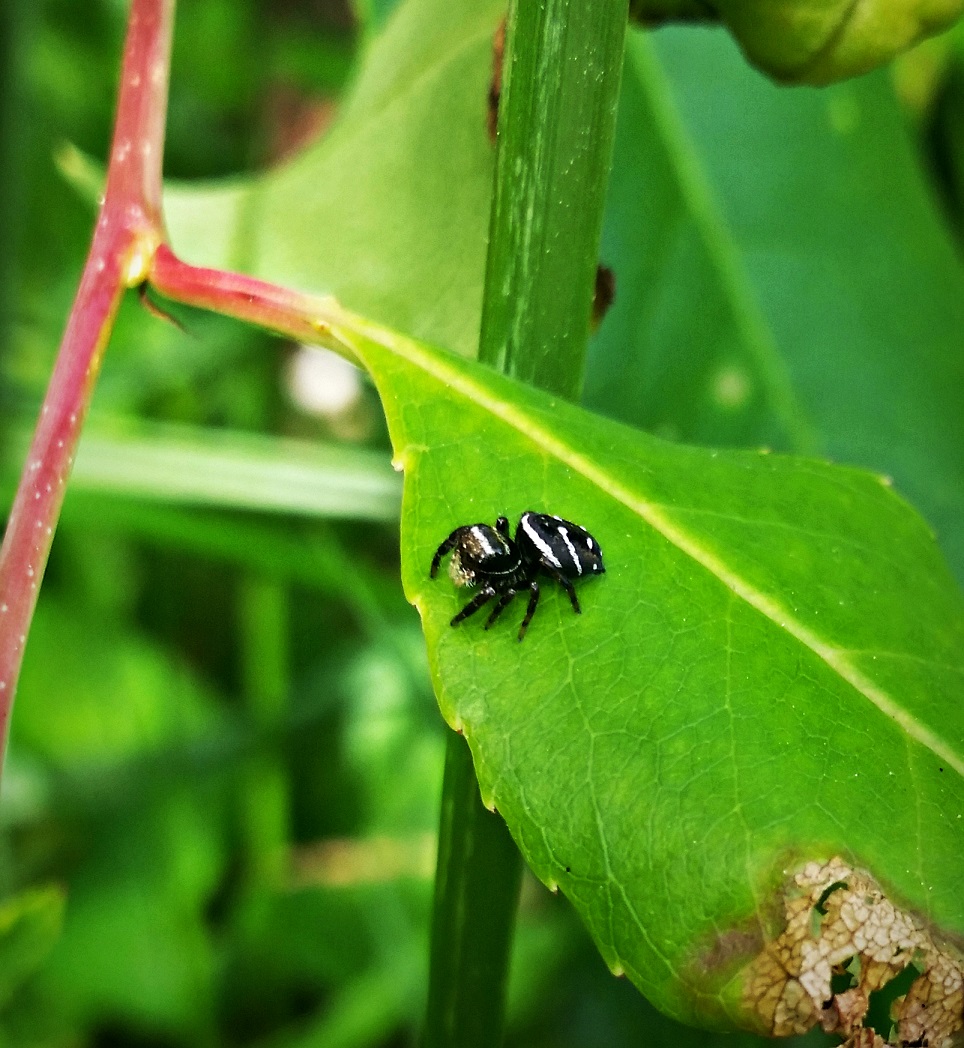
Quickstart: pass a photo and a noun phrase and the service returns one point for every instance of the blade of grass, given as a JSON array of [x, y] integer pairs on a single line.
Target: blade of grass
[[556, 129], [206, 467]]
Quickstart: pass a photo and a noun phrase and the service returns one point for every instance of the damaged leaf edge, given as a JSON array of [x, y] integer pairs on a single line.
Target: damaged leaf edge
[[786, 989]]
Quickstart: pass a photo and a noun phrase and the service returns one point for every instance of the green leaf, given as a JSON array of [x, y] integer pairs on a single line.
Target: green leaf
[[30, 924], [785, 278], [390, 210], [769, 672]]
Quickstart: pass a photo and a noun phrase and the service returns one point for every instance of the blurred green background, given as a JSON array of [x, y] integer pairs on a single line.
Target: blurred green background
[[218, 816]]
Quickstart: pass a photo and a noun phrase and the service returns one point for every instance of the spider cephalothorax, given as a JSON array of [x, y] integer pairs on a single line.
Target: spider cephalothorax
[[503, 566]]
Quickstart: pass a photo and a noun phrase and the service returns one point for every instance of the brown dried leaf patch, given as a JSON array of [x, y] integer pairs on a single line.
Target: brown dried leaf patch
[[839, 923]]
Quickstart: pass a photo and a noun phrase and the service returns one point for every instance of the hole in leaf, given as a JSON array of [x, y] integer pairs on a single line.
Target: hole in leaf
[[819, 910], [821, 904], [878, 1013], [842, 979]]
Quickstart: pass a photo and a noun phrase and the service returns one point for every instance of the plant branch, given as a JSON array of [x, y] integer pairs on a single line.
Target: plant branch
[[556, 128], [479, 873], [290, 313], [128, 230]]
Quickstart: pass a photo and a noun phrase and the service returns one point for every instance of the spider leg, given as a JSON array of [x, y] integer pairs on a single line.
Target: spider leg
[[504, 602], [567, 586], [531, 610], [446, 547], [483, 597]]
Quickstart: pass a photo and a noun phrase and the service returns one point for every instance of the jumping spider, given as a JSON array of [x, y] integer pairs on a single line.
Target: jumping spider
[[503, 566]]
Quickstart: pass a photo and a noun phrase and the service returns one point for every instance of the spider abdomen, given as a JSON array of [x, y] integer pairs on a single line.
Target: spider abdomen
[[558, 546]]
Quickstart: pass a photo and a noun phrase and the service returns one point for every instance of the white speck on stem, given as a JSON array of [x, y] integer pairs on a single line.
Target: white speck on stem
[[4, 609]]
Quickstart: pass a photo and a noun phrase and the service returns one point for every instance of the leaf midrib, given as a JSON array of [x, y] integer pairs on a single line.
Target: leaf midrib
[[348, 327]]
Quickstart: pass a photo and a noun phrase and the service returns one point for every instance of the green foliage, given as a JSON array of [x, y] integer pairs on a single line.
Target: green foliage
[[730, 325], [773, 649], [399, 231], [822, 269], [226, 748], [29, 925]]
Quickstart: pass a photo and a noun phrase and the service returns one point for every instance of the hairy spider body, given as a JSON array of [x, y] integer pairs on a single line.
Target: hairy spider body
[[503, 566], [478, 552]]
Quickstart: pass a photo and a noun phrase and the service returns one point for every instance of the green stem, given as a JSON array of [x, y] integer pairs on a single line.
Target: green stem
[[476, 892], [556, 129]]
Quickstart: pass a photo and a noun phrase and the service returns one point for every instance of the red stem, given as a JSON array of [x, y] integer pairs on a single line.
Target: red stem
[[127, 233], [128, 249], [293, 314]]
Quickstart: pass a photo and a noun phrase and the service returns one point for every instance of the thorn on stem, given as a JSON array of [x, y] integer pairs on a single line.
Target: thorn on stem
[[155, 310]]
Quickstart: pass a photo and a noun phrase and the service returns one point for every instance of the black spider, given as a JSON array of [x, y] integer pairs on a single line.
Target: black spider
[[502, 566]]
